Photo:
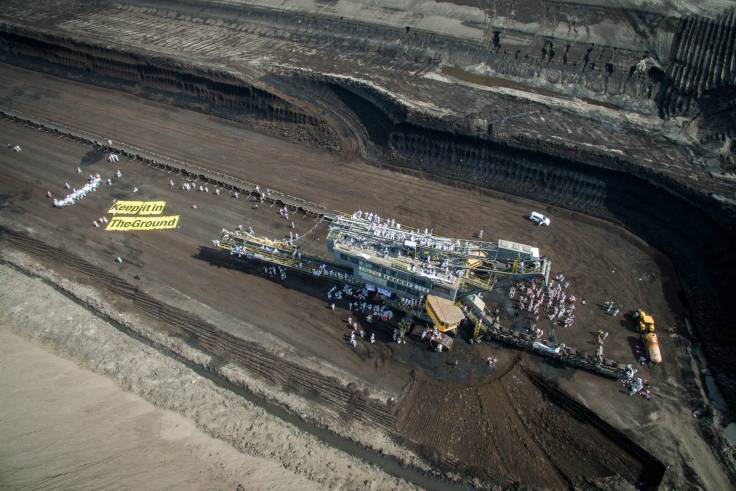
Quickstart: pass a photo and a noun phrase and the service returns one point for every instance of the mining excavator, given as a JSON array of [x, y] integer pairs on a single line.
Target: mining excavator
[[648, 336]]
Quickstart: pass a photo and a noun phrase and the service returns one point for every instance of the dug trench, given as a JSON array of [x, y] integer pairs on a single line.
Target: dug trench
[[491, 430], [693, 230]]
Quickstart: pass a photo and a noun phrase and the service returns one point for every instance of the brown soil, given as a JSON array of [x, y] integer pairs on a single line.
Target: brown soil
[[143, 419], [508, 427], [602, 261]]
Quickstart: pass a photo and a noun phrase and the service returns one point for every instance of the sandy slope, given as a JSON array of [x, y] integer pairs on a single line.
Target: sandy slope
[[64, 427]]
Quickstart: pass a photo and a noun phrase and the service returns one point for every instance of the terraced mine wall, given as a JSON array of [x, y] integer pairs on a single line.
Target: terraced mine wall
[[168, 81], [596, 67], [688, 63], [691, 228], [701, 78]]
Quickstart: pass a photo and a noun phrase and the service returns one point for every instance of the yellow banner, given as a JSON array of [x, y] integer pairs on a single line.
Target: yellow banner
[[137, 207], [121, 224]]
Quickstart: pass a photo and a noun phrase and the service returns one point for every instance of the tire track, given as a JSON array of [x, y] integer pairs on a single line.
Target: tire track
[[350, 403]]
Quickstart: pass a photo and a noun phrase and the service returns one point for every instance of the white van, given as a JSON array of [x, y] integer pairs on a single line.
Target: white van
[[539, 219]]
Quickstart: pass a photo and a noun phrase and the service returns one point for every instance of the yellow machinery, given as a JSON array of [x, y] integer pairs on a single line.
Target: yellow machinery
[[445, 315], [648, 336]]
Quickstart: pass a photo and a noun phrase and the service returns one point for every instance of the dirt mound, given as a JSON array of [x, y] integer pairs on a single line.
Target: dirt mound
[[518, 429]]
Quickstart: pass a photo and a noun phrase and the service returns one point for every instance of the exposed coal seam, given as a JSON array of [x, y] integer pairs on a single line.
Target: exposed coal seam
[[701, 76], [161, 78]]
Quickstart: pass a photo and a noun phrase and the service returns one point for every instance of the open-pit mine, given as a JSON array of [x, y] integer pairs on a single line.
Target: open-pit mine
[[368, 244]]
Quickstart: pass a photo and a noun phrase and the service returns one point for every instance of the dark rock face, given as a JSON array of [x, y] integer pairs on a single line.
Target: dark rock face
[[191, 86], [701, 76]]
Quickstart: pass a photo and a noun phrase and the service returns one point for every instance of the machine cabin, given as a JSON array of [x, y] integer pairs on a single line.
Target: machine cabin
[[445, 315]]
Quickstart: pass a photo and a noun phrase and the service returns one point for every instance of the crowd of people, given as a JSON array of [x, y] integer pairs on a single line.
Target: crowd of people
[[324, 270], [399, 336], [551, 300], [191, 185], [554, 301], [93, 182], [349, 293], [600, 339], [391, 229], [385, 237], [431, 334], [100, 221], [276, 272], [413, 304], [359, 304], [636, 385], [357, 332]]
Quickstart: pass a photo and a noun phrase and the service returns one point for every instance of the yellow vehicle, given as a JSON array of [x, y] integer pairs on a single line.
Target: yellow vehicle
[[648, 336]]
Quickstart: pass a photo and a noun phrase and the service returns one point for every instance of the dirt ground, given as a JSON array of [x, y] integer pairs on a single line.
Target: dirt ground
[[601, 261], [516, 432], [84, 405]]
